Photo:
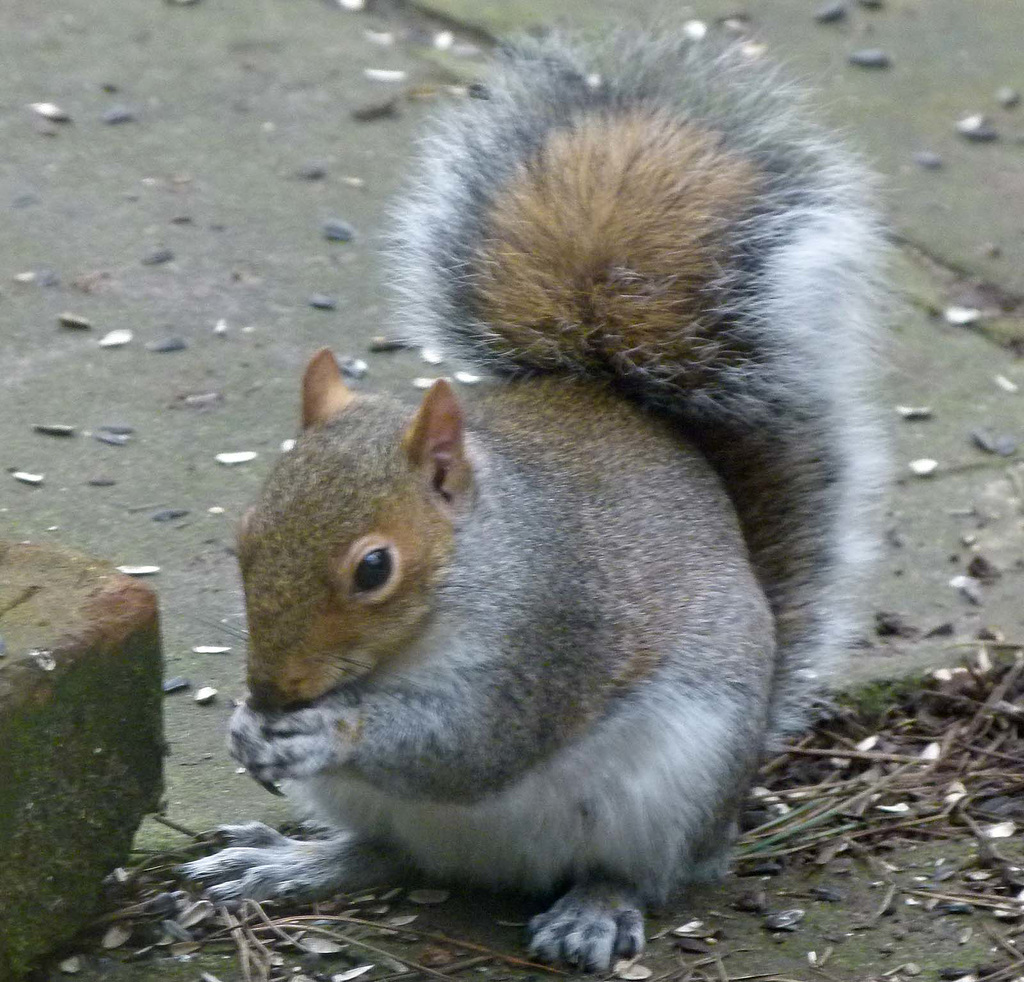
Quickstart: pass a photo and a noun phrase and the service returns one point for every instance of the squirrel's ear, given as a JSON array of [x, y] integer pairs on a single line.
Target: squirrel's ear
[[324, 394], [435, 442]]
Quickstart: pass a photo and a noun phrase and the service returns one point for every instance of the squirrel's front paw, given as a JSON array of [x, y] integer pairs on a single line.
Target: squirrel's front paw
[[288, 746]]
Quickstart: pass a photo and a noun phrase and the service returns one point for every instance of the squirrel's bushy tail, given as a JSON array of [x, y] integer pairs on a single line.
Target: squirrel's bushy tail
[[658, 212]]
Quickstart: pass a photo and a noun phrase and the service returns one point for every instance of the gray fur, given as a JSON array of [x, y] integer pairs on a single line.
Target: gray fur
[[799, 297]]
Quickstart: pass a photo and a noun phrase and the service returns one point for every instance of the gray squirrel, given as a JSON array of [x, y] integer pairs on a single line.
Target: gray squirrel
[[542, 636]]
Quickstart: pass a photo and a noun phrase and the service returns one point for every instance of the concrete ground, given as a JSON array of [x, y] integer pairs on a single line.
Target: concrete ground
[[231, 99]]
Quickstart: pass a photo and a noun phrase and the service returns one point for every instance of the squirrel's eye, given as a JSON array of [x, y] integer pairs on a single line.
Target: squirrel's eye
[[374, 570]]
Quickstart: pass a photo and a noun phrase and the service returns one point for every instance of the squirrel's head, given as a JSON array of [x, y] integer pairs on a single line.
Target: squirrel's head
[[343, 553]]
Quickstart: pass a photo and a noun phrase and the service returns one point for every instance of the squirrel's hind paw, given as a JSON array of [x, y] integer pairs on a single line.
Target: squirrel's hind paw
[[589, 928]]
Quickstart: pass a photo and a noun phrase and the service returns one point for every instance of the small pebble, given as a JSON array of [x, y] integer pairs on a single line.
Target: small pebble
[[785, 920], [428, 897], [74, 321], [157, 257], [54, 429], [116, 339], [385, 74], [26, 477], [870, 58], [961, 316], [111, 439], [116, 115], [323, 302], [206, 695], [50, 111], [335, 230], [138, 570], [211, 649], [354, 368], [976, 127], [169, 514], [167, 344], [240, 457], [177, 684], [1007, 97], [830, 13], [71, 966], [923, 466], [927, 159]]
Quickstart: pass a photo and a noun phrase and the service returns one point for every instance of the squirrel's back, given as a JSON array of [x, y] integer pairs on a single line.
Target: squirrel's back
[[661, 214]]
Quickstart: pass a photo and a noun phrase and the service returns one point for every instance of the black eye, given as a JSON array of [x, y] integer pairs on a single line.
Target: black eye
[[374, 570]]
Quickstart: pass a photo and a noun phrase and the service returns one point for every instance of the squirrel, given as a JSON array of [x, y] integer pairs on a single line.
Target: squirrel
[[541, 637]]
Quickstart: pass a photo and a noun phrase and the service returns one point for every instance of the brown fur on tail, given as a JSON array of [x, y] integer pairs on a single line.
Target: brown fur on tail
[[597, 252]]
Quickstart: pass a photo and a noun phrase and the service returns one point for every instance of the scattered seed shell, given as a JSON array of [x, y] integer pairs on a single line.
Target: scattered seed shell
[[385, 74], [206, 695], [28, 478], [169, 514], [1007, 385], [354, 5], [50, 111], [689, 928], [428, 897], [915, 412], [830, 13], [467, 378], [322, 946], [431, 356], [138, 570], [695, 30], [354, 368], [320, 301], [113, 439], [976, 127], [968, 587], [239, 457], [115, 936], [402, 920], [1007, 97], [870, 58], [927, 159], [54, 429], [352, 973], [211, 649], [900, 808], [423, 382], [74, 322], [631, 972], [1002, 830], [961, 316], [116, 115], [785, 920], [335, 230], [116, 339], [287, 445], [71, 966], [176, 684], [157, 257], [163, 345], [923, 467]]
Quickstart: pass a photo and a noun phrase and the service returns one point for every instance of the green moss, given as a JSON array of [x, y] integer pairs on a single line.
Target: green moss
[[81, 764]]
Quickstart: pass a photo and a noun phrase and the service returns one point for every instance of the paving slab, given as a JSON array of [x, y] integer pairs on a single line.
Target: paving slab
[[232, 100]]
